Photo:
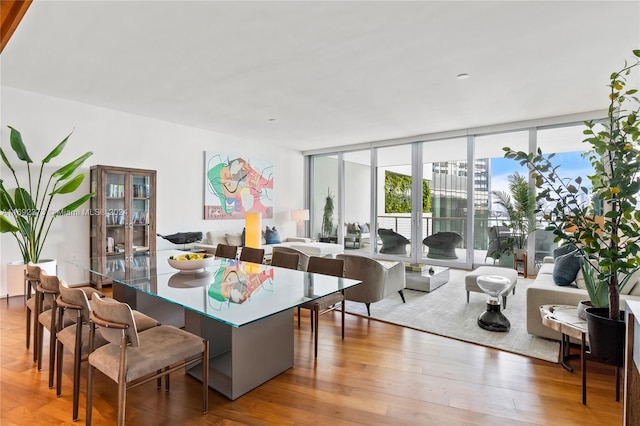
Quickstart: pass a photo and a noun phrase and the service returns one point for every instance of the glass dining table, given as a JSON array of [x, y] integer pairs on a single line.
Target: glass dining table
[[244, 310]]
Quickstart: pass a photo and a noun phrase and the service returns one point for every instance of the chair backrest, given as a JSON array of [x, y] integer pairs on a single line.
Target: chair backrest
[[250, 254], [76, 296], [32, 271], [303, 257], [224, 250], [111, 310], [285, 259], [326, 266], [49, 283]]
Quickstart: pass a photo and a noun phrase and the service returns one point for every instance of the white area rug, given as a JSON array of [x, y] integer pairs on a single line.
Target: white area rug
[[445, 312]]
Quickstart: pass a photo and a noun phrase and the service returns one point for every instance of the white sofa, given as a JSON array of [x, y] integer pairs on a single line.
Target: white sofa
[[304, 245], [543, 291]]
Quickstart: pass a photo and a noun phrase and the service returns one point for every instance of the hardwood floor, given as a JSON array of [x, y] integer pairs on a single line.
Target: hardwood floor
[[380, 374]]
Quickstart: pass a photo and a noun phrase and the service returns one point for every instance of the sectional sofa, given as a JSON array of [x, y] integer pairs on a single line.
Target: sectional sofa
[[544, 291]]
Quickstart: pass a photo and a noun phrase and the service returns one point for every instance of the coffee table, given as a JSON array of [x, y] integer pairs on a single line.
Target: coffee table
[[430, 278]]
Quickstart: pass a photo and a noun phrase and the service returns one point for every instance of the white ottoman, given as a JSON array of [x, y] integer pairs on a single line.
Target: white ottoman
[[471, 280]]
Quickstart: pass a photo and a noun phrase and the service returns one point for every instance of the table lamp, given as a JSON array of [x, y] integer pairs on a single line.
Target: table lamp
[[300, 216], [253, 230]]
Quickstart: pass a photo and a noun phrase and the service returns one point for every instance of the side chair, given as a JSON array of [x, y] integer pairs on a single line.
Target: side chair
[[227, 251], [132, 358], [326, 266], [253, 255], [32, 279], [284, 259], [75, 337]]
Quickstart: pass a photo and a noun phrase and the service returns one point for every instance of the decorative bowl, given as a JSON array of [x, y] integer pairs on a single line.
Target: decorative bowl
[[191, 262]]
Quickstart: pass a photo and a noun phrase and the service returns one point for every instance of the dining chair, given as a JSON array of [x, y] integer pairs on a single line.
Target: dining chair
[[75, 337], [326, 266], [132, 358], [284, 259], [253, 255], [49, 289], [303, 257], [32, 279], [227, 251]]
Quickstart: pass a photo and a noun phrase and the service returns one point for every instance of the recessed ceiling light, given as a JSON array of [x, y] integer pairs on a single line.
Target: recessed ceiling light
[[462, 76]]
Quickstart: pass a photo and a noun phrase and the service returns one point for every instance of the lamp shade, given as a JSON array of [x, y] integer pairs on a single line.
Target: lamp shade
[[253, 230], [299, 215]]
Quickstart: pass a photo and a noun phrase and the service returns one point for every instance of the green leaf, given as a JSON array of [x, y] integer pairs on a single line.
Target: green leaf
[[7, 226], [73, 206], [70, 186], [67, 170], [57, 150], [24, 202], [5, 160], [18, 146]]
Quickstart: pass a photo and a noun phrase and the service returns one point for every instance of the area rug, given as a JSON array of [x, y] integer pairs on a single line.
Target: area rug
[[445, 312]]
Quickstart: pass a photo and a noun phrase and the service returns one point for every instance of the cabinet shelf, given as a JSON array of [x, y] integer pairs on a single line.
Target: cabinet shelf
[[133, 191]]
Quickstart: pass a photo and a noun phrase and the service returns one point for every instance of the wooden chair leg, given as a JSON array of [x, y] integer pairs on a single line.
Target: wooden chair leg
[[90, 371], [316, 315], [205, 378], [28, 325], [343, 303]]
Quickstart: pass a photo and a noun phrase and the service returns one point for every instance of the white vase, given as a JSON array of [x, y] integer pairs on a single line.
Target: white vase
[[16, 270], [582, 306]]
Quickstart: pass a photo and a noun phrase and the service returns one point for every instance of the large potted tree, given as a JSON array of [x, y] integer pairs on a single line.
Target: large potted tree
[[609, 245], [27, 210]]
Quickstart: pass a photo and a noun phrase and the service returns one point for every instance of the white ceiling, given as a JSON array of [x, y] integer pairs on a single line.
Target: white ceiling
[[330, 73]]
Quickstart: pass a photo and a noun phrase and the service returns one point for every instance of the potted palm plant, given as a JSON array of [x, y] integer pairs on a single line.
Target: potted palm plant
[[519, 204], [27, 211], [609, 245]]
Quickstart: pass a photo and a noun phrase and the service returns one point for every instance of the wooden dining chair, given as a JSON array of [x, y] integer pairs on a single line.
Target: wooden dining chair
[[284, 259], [326, 266], [74, 303], [32, 279], [253, 255], [227, 251], [132, 358]]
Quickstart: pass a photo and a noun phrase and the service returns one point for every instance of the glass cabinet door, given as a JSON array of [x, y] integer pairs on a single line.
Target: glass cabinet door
[[115, 214]]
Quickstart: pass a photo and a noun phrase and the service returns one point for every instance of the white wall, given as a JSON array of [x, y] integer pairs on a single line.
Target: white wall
[[120, 139]]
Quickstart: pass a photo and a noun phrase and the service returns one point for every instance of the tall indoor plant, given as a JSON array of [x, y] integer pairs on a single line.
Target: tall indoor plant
[[615, 156], [327, 215], [27, 209], [519, 203]]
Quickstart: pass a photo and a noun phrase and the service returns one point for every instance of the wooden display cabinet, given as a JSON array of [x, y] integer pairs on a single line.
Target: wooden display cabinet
[[123, 225]]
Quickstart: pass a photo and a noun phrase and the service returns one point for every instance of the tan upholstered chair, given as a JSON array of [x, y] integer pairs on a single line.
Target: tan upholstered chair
[[284, 259], [227, 251], [304, 258], [253, 255], [74, 303], [32, 279], [132, 358], [49, 288], [326, 266], [379, 279]]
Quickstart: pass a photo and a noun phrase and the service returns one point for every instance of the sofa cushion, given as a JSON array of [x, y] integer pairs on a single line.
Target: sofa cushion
[[364, 228], [272, 235], [580, 282], [565, 268], [632, 284], [234, 239]]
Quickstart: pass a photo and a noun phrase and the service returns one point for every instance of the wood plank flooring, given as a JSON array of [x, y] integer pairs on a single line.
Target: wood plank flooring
[[380, 374]]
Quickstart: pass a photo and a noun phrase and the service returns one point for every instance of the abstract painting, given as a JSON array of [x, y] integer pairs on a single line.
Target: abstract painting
[[235, 185]]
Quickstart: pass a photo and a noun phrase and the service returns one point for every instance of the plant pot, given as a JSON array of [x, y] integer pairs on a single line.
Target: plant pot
[[16, 270], [582, 307], [506, 260], [606, 336]]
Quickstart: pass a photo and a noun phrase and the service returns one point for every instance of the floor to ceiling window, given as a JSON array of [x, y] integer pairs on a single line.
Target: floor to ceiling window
[[394, 202], [446, 187], [358, 229], [445, 194]]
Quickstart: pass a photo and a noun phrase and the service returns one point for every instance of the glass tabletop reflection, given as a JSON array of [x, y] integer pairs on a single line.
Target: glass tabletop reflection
[[236, 293]]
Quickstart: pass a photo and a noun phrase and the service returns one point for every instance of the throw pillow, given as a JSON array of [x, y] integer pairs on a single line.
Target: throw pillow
[[563, 250], [580, 283], [272, 236], [631, 284], [565, 268], [234, 239], [364, 228], [351, 228]]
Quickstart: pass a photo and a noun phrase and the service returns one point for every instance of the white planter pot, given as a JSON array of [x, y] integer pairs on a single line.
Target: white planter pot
[[15, 274]]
